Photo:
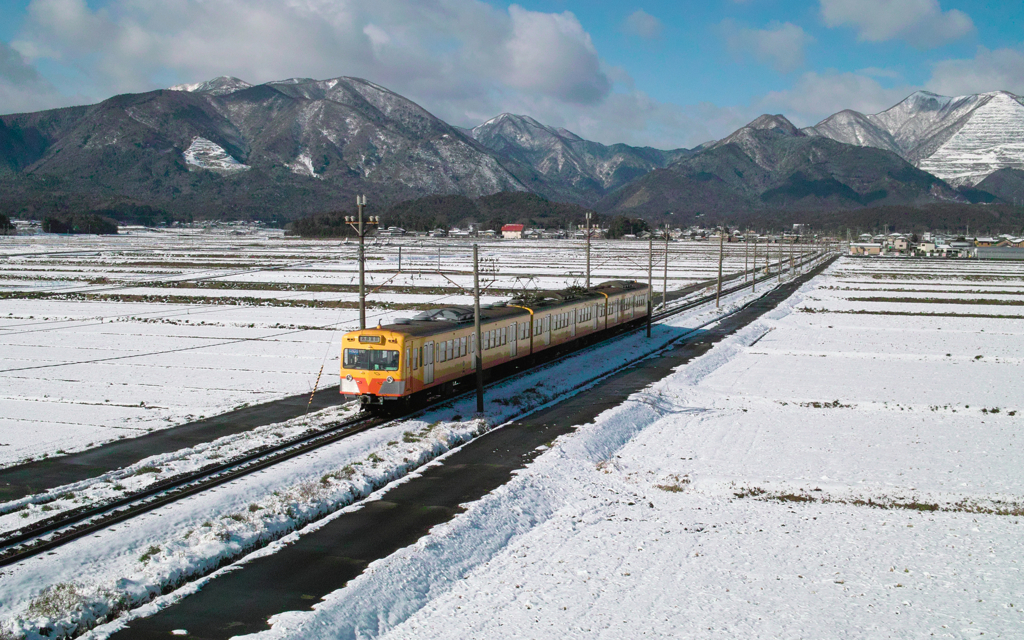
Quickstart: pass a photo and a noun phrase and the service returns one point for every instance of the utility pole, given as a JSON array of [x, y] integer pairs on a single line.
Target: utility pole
[[588, 250], [399, 258], [650, 282], [767, 257], [664, 286], [721, 249], [746, 252], [792, 264], [753, 273], [361, 230], [780, 259], [478, 347]]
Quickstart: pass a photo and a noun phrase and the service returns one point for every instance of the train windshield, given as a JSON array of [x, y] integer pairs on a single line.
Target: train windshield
[[371, 360]]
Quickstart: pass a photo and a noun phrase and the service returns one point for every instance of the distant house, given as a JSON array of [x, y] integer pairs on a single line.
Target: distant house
[[512, 231], [926, 247], [865, 248], [985, 242]]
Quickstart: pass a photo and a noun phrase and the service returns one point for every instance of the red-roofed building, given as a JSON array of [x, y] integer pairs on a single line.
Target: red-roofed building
[[512, 231]]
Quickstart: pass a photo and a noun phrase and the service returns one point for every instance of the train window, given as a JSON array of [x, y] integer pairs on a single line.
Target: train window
[[487, 340], [462, 347], [371, 360], [472, 343], [443, 356]]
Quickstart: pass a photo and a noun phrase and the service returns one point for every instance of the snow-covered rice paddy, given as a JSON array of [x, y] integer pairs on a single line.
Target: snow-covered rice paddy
[[112, 337], [853, 472]]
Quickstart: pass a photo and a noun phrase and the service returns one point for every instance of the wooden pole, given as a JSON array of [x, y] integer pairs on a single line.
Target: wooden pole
[[588, 250], [478, 347], [664, 286], [721, 250], [360, 203], [746, 251], [650, 282], [753, 273]]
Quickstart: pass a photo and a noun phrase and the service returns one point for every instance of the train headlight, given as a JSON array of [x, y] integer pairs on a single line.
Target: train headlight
[[349, 377], [389, 379]]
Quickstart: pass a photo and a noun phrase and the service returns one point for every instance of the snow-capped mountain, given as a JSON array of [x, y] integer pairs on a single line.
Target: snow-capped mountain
[[752, 137], [770, 165], [587, 169], [276, 149], [961, 140], [217, 87], [326, 128]]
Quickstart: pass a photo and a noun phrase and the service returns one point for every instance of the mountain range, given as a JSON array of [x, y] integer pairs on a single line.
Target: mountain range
[[279, 150], [961, 140]]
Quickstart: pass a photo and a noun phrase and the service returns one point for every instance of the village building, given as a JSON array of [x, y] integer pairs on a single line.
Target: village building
[[865, 248], [512, 231]]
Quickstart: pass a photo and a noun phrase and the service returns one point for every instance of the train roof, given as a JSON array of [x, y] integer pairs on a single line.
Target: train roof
[[445, 319]]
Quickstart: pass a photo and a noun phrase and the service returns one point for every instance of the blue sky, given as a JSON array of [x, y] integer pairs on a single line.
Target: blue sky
[[661, 73]]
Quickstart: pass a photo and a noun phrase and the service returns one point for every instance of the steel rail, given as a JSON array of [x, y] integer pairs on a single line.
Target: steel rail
[[45, 535]]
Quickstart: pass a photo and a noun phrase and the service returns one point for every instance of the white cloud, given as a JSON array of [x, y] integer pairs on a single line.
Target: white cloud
[[438, 45], [779, 45], [643, 25], [21, 87], [551, 54], [816, 96], [988, 70], [922, 23], [463, 60]]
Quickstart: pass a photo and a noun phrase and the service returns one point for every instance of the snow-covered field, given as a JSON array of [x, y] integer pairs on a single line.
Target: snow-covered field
[[134, 561], [855, 472], [111, 337]]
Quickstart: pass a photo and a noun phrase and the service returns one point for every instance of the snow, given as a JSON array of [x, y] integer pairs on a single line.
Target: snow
[[206, 154], [721, 501], [208, 319], [961, 140], [193, 536], [303, 165], [992, 139]]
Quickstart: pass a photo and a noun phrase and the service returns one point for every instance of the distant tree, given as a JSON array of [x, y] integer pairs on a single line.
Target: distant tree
[[431, 212], [322, 225], [622, 225], [6, 228], [80, 223]]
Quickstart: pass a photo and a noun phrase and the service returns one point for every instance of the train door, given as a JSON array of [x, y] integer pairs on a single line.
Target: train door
[[572, 323], [428, 363], [514, 330], [546, 329]]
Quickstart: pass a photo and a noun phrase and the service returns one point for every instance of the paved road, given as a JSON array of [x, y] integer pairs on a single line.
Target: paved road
[[299, 575], [42, 475]]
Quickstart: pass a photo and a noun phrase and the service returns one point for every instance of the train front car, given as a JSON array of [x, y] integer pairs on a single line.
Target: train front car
[[373, 365]]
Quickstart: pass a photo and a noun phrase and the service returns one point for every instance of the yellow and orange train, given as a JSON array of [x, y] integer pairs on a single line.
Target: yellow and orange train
[[436, 348]]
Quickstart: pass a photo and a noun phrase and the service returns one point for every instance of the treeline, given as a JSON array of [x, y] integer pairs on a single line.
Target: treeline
[[6, 228], [446, 212], [80, 223], [953, 217]]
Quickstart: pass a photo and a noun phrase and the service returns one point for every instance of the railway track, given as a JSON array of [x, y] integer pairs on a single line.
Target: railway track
[[46, 535]]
